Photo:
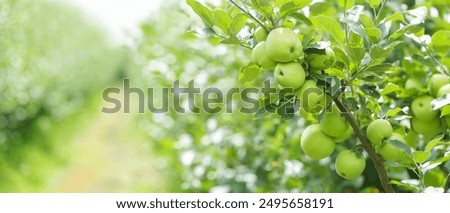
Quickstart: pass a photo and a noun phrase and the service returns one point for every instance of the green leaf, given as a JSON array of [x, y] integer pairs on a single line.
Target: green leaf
[[264, 7], [370, 77], [402, 146], [440, 3], [302, 18], [380, 68], [394, 112], [238, 23], [202, 11], [222, 19], [441, 160], [286, 111], [374, 3], [390, 88], [356, 54], [441, 42], [424, 60], [270, 108], [351, 103], [355, 40], [374, 34], [407, 185], [433, 143], [345, 4], [249, 73], [280, 3], [413, 29], [311, 38], [231, 40], [341, 56], [322, 8], [420, 157], [445, 111], [366, 21], [370, 90], [397, 16], [394, 44], [336, 72], [335, 86], [329, 24], [292, 6]]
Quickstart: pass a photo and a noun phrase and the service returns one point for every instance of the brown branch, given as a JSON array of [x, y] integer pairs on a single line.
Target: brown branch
[[377, 160]]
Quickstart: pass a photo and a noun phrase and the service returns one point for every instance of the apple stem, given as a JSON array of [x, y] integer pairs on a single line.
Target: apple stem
[[377, 160], [359, 149]]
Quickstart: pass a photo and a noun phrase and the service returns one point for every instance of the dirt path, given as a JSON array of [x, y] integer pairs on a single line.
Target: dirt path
[[111, 155]]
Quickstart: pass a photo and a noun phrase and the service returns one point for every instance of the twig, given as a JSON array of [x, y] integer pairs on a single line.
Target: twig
[[240, 44], [250, 15], [434, 58], [356, 74], [447, 184], [245, 46], [377, 160], [383, 3]]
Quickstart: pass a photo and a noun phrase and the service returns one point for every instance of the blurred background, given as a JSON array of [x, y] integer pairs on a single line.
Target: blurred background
[[57, 57]]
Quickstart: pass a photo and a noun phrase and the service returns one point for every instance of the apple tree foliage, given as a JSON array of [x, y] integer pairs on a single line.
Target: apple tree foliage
[[384, 53], [377, 46]]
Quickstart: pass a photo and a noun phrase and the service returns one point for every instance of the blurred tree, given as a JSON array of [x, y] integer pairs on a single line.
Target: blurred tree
[[51, 61]]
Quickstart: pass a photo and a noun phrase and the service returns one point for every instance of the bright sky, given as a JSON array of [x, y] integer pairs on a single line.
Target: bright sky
[[119, 17]]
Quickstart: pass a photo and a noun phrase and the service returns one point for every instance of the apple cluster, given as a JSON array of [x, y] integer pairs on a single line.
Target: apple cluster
[[379, 132], [427, 121], [318, 141], [281, 50]]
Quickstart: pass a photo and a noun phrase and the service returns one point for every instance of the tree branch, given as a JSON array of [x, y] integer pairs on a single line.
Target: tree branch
[[377, 160], [250, 15]]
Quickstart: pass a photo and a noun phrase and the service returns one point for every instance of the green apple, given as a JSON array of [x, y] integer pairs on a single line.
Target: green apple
[[390, 152], [413, 85], [347, 134], [290, 75], [283, 45], [320, 59], [312, 98], [436, 81], [422, 109], [428, 128], [259, 56], [260, 34], [349, 164], [444, 90], [315, 143], [378, 131], [333, 124]]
